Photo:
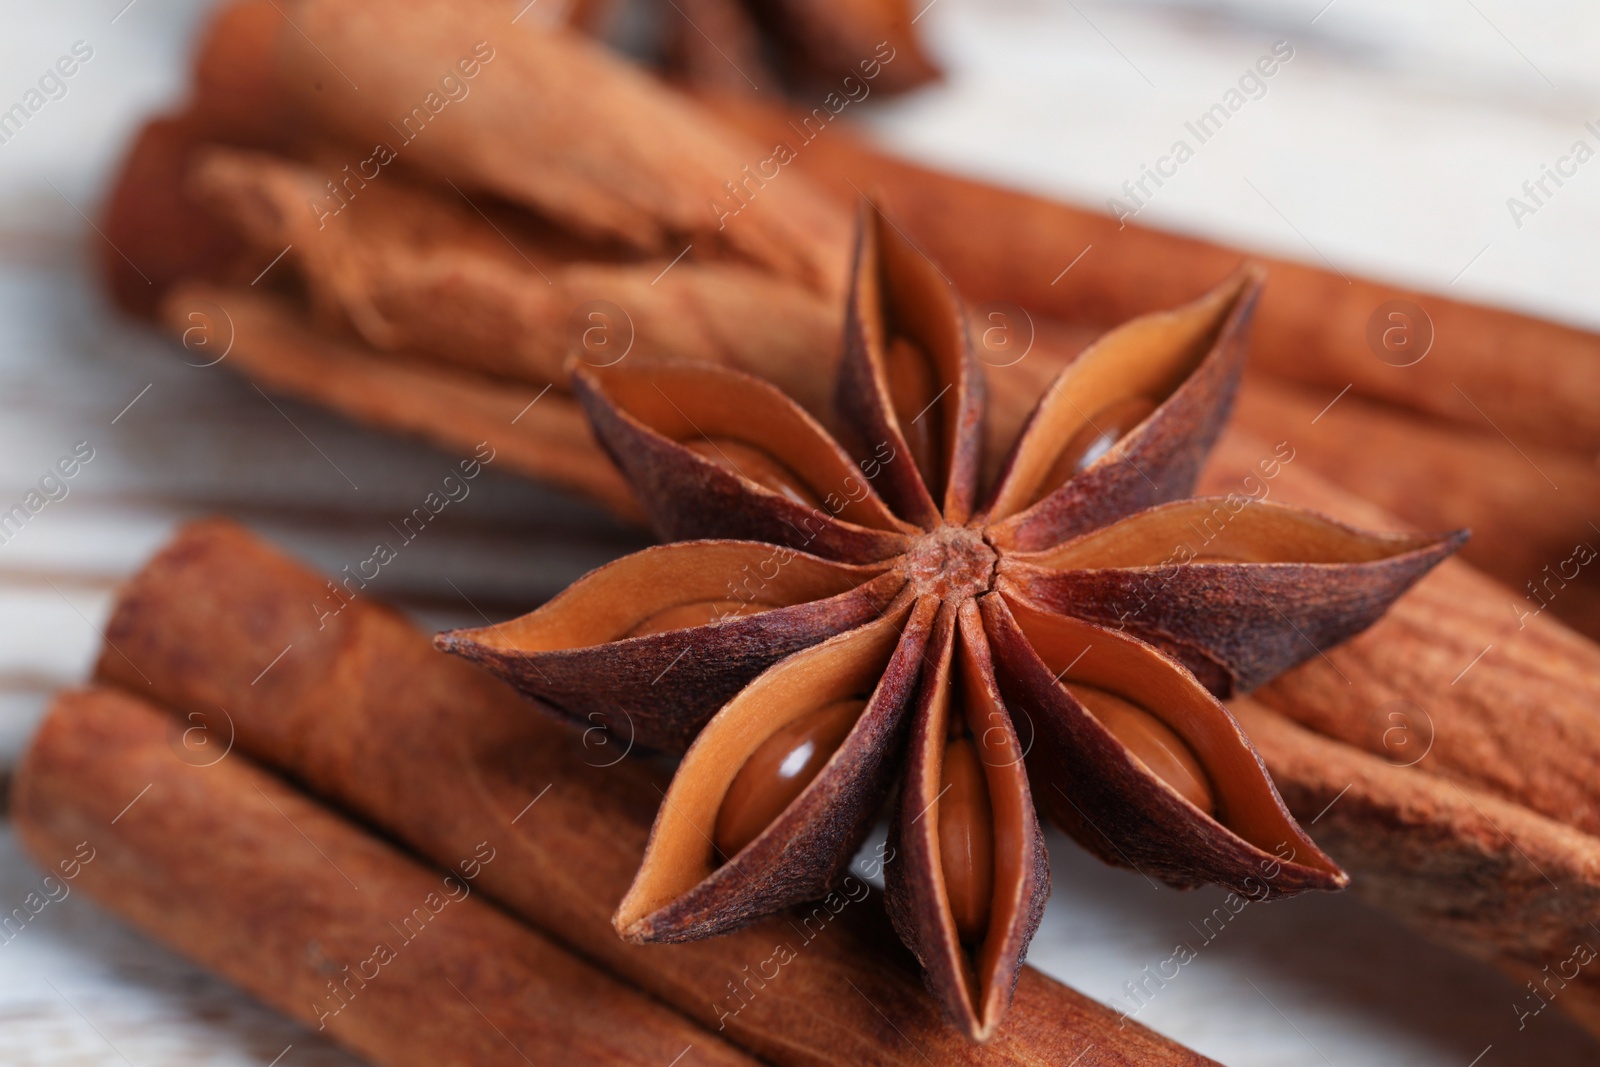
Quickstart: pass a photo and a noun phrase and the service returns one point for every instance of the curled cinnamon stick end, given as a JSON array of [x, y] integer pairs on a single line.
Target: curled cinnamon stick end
[[156, 235], [218, 861], [555, 124]]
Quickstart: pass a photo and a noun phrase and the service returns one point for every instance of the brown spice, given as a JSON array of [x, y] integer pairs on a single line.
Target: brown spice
[[410, 269], [251, 879], [1312, 325], [544, 437], [650, 159], [1474, 872], [1529, 508], [1003, 599], [1519, 723], [1470, 746]]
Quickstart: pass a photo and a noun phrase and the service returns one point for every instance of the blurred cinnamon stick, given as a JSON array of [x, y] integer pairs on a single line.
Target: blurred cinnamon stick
[[540, 116], [414, 269], [254, 881], [268, 340], [1531, 510], [1468, 742], [821, 43], [1312, 325], [1536, 379], [363, 710]]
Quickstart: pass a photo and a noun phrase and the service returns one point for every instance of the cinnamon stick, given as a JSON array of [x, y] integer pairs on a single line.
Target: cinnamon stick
[[1468, 740], [820, 43], [543, 436], [1468, 869], [156, 235], [254, 881], [364, 711], [1530, 509], [1311, 326], [715, 45], [633, 162], [425, 271], [1511, 700], [542, 117]]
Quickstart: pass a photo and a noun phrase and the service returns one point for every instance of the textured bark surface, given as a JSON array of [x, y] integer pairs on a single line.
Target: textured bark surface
[[269, 341], [542, 100], [1528, 507], [1509, 709], [1483, 836], [1312, 324], [418, 268], [253, 880], [1474, 872], [441, 755]]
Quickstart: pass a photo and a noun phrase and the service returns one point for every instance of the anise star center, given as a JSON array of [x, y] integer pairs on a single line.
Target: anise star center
[[953, 563]]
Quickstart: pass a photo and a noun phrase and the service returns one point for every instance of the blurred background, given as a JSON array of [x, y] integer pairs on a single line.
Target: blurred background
[[1392, 142]]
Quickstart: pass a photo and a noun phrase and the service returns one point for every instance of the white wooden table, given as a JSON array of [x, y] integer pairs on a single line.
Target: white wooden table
[[1388, 144]]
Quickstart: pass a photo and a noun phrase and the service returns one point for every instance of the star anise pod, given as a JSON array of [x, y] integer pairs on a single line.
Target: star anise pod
[[1058, 641]]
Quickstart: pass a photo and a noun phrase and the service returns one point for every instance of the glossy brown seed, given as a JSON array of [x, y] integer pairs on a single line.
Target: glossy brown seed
[[779, 770], [754, 465], [1097, 437], [966, 838], [1153, 741], [694, 613], [914, 390]]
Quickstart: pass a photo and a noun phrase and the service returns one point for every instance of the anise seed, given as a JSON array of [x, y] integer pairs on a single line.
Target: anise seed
[[754, 465], [694, 613], [913, 389], [966, 838], [1098, 436], [779, 770], [1153, 741]]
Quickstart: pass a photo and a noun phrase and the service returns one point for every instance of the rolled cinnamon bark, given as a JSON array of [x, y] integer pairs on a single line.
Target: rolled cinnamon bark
[[820, 43], [1529, 509], [362, 709], [544, 118], [1468, 869], [156, 235], [416, 269], [716, 45], [1537, 380], [1468, 743], [1511, 701], [256, 882], [1446, 755], [594, 145], [544, 436]]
